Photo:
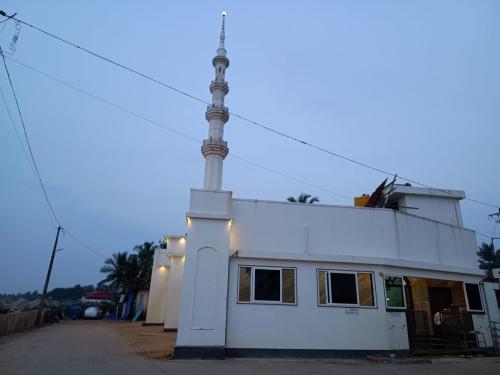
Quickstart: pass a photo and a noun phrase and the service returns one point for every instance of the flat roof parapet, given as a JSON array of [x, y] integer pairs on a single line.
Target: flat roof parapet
[[398, 190]]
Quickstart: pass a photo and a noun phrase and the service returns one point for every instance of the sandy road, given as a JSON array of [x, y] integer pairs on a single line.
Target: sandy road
[[96, 347], [80, 347]]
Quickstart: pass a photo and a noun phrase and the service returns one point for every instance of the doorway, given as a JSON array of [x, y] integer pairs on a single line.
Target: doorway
[[440, 298], [437, 317]]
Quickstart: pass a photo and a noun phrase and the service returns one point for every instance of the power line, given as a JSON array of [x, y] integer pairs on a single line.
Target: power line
[[289, 177], [18, 136], [84, 245], [170, 87], [483, 234], [107, 102], [161, 126], [33, 166], [28, 141], [2, 13], [164, 127], [241, 117]]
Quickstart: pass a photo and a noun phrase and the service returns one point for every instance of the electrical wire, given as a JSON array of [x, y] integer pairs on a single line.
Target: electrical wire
[[483, 235], [42, 185], [83, 244], [169, 129], [241, 117], [2, 13], [18, 136], [132, 113]]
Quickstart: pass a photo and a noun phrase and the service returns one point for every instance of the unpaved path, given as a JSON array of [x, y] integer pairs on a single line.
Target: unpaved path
[[74, 347], [98, 347]]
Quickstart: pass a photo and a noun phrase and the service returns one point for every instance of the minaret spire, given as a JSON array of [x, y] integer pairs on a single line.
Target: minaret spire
[[222, 35], [214, 148]]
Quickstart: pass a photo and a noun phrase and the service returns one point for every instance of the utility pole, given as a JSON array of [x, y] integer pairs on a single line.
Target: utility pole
[[495, 216], [47, 279]]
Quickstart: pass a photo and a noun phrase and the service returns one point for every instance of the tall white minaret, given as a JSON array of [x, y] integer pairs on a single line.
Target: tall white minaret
[[214, 148], [203, 308]]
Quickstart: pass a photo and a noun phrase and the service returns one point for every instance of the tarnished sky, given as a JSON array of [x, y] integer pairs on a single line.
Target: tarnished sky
[[410, 87]]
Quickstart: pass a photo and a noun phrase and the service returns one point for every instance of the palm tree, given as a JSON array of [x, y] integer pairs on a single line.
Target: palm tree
[[145, 254], [122, 270], [304, 198], [488, 257]]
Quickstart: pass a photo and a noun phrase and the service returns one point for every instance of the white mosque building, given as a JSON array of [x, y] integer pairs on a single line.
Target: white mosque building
[[267, 278]]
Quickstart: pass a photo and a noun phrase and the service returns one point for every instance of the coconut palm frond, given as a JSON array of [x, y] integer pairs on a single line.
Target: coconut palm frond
[[304, 198]]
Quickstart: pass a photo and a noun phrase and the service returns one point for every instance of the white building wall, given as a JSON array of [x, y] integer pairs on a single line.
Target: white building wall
[[158, 288], [308, 237], [491, 300], [172, 300], [436, 208], [278, 227], [202, 318], [309, 326], [481, 324]]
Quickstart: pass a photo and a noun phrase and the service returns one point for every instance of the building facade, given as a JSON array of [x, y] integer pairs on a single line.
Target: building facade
[[280, 278]]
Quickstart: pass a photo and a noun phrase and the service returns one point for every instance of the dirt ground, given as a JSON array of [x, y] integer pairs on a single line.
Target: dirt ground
[[150, 340], [103, 347]]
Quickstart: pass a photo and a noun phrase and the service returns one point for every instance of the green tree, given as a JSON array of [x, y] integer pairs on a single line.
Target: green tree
[[304, 198], [122, 271], [488, 257], [70, 293], [145, 255]]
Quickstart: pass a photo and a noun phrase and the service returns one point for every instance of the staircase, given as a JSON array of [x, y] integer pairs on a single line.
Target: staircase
[[495, 330]]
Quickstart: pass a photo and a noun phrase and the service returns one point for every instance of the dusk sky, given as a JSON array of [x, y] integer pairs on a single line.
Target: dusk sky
[[411, 87]]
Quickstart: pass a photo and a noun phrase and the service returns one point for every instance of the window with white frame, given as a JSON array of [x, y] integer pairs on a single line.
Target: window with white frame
[[473, 295], [346, 288], [258, 284], [394, 292]]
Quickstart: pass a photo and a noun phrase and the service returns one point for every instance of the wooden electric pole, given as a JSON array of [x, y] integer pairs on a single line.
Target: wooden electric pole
[[47, 279]]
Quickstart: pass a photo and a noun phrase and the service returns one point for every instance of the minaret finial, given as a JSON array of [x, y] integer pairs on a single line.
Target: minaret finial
[[222, 35]]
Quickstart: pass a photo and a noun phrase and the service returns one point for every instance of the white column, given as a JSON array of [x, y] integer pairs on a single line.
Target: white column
[[213, 172], [158, 287], [202, 320], [173, 298]]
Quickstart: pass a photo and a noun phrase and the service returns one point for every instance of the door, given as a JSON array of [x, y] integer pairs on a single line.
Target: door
[[439, 298]]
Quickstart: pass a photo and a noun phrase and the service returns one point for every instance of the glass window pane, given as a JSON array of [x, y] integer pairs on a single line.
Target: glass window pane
[[322, 287], [244, 289], [267, 285], [365, 289], [473, 297], [394, 292], [288, 293], [343, 287]]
